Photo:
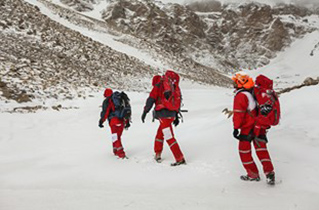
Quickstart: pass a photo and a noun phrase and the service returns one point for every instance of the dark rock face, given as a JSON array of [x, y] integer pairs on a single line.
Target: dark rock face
[[146, 19], [247, 36], [278, 38]]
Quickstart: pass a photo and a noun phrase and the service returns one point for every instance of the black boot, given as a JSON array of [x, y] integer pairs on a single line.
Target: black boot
[[158, 157], [248, 178], [271, 178], [182, 162]]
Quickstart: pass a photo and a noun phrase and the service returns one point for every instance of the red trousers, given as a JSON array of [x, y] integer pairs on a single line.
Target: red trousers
[[248, 162], [117, 127], [165, 132]]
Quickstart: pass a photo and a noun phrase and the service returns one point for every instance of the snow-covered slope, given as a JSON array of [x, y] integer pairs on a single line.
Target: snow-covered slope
[[62, 160], [294, 65]]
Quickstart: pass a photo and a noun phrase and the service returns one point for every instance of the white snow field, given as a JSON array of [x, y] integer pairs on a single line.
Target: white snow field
[[62, 160]]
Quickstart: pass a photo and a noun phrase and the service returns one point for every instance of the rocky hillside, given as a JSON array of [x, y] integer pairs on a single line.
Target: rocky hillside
[[226, 37], [41, 59]]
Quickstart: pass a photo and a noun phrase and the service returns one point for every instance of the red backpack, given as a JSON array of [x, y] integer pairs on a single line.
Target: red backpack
[[267, 102], [171, 96]]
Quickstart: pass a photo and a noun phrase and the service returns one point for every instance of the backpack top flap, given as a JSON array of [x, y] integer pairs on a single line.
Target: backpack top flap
[[122, 107], [173, 76], [264, 82], [171, 98]]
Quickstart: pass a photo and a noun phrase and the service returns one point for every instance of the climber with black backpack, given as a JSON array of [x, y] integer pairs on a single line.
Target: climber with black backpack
[[117, 110], [166, 96]]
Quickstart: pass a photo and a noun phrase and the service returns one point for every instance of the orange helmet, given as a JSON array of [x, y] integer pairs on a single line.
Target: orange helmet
[[243, 80]]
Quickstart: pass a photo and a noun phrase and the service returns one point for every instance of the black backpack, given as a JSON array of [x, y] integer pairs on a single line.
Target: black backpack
[[122, 107]]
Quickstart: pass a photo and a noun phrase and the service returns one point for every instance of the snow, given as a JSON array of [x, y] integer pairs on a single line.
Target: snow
[[61, 160], [97, 11], [294, 65]]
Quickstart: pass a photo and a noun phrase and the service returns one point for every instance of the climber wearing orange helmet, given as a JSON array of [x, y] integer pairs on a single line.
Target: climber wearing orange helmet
[[244, 104], [244, 119]]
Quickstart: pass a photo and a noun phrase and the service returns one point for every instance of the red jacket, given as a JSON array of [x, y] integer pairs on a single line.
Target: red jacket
[[155, 98], [244, 111]]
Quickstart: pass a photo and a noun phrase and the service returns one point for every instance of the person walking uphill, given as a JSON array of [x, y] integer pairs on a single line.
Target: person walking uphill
[[244, 119], [116, 108], [166, 96]]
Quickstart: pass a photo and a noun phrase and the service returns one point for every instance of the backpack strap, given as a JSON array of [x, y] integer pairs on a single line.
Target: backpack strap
[[251, 102], [110, 108]]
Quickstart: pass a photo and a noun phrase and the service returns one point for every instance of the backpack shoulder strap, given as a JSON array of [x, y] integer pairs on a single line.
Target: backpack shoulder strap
[[251, 101]]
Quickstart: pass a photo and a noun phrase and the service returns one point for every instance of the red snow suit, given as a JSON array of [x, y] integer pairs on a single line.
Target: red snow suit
[[244, 119], [244, 111], [116, 125], [165, 117]]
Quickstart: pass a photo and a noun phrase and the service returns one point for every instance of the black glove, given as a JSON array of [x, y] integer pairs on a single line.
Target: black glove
[[235, 133], [127, 125], [143, 116], [176, 121], [101, 124], [167, 94], [265, 109]]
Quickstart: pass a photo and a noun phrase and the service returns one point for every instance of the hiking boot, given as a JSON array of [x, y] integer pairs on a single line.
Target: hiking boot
[[248, 178], [182, 162], [270, 178], [158, 157], [123, 157]]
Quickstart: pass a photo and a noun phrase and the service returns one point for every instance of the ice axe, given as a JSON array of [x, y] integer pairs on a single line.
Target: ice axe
[[228, 112]]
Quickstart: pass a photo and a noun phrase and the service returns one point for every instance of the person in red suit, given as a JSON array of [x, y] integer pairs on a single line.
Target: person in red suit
[[117, 125], [166, 118], [244, 118]]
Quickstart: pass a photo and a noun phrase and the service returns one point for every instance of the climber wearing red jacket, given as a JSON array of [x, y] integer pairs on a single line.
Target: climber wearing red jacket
[[116, 124], [166, 117], [244, 118]]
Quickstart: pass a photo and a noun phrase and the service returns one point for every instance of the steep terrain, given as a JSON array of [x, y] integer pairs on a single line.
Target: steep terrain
[[226, 36], [42, 59]]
